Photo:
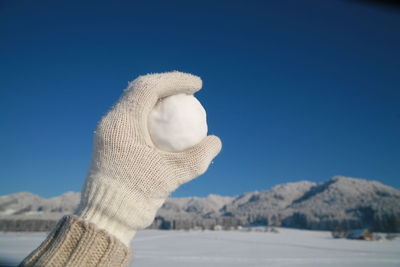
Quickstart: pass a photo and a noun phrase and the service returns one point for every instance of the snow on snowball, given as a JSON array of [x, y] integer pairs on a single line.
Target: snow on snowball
[[177, 122]]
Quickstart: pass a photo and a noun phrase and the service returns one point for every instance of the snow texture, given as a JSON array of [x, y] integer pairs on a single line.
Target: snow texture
[[289, 247], [177, 123], [29, 206], [343, 202]]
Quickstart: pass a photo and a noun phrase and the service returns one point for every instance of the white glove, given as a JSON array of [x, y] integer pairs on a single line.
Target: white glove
[[130, 178]]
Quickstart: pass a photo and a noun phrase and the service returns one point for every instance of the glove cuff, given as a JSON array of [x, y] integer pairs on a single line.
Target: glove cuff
[[111, 207]]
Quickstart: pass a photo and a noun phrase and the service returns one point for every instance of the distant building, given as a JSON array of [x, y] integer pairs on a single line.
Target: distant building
[[360, 234]]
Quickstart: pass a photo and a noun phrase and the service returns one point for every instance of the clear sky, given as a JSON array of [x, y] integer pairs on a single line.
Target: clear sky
[[297, 90]]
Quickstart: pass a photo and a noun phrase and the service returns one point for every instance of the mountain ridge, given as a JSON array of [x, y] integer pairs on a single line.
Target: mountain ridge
[[342, 202]]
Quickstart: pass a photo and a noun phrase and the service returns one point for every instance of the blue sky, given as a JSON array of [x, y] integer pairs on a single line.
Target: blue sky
[[297, 90]]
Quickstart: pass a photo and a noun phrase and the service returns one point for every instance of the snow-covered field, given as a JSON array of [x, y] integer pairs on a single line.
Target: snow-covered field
[[212, 248]]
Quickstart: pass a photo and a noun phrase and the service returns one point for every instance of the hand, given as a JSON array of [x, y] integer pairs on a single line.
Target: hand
[[130, 178]]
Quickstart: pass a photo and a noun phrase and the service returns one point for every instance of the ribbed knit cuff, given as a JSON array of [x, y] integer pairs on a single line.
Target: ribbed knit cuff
[[75, 242], [113, 208]]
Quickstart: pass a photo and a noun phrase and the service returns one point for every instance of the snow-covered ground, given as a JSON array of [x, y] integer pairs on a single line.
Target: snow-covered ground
[[212, 248]]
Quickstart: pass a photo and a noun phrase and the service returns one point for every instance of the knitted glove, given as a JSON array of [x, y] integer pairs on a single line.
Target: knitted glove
[[130, 177]]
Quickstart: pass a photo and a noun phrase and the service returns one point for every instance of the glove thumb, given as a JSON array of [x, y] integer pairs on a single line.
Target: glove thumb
[[195, 160]]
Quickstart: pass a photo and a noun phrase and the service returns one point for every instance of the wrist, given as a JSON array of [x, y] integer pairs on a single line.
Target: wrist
[[112, 207]]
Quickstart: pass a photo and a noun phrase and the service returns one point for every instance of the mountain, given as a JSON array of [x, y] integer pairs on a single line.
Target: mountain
[[28, 205], [340, 202], [266, 207], [348, 203], [191, 206], [28, 212]]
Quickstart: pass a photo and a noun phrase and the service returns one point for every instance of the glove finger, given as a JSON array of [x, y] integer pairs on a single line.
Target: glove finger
[[195, 161], [143, 93], [146, 90], [172, 83]]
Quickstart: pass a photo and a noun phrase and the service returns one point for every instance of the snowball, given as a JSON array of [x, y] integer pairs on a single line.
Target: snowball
[[177, 122]]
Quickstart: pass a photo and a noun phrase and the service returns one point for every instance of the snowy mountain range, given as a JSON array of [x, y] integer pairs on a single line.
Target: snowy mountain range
[[339, 202]]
